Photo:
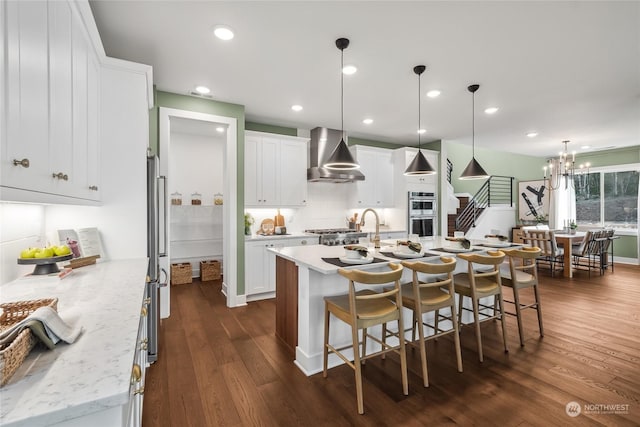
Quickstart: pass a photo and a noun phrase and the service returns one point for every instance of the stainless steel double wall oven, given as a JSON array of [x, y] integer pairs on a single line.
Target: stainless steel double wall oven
[[422, 213]]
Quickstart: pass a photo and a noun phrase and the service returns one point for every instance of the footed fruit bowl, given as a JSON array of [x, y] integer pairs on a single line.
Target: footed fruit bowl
[[45, 265]]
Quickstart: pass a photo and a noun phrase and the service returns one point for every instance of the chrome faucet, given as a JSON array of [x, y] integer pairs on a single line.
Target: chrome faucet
[[376, 238]]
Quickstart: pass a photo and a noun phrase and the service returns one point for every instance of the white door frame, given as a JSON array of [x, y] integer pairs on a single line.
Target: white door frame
[[230, 191]]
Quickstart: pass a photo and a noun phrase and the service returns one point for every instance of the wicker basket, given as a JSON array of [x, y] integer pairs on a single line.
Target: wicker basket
[[13, 354], [209, 270], [181, 273]]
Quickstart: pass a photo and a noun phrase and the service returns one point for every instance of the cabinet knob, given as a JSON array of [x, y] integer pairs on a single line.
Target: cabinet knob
[[60, 175], [139, 391], [304, 242], [93, 187], [24, 163], [147, 301], [143, 312]]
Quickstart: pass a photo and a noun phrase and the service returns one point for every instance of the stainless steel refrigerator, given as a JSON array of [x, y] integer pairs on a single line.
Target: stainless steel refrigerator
[[156, 248]]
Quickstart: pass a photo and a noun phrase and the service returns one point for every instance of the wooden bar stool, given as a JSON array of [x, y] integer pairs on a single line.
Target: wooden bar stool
[[362, 309], [478, 283], [521, 273], [424, 297]]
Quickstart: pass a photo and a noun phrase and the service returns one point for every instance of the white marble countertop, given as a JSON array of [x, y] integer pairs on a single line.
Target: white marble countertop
[[257, 237], [92, 374], [311, 255]]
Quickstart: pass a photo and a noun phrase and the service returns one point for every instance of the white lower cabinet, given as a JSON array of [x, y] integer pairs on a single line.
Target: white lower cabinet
[[260, 265]]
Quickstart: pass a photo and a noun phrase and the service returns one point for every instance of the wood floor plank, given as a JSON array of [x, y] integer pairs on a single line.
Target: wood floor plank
[[225, 367]]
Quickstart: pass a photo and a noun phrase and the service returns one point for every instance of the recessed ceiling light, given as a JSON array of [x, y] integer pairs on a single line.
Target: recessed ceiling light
[[220, 129], [491, 110], [349, 69], [433, 93], [223, 32], [296, 107], [367, 121], [203, 90], [532, 134], [585, 147], [421, 131]]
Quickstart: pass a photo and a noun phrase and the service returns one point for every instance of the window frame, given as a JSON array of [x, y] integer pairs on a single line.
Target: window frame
[[629, 167]]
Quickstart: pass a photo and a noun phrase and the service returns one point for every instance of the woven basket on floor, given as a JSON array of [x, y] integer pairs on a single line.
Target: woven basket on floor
[[13, 354]]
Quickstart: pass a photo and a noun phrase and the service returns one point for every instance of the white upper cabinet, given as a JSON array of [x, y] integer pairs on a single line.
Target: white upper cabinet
[[376, 191], [51, 145], [293, 172], [275, 170]]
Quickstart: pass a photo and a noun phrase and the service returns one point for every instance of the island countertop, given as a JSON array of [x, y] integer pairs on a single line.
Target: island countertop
[[93, 374]]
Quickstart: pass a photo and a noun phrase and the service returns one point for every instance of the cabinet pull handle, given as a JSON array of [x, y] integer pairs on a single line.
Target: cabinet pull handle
[[24, 163], [60, 175], [147, 301], [139, 391], [136, 374], [143, 312]]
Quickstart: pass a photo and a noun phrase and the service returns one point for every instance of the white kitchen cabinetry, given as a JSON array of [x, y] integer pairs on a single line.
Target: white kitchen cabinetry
[[260, 264], [376, 191], [275, 170], [51, 104]]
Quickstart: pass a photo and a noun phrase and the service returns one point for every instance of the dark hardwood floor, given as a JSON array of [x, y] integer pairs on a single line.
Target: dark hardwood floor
[[225, 367]]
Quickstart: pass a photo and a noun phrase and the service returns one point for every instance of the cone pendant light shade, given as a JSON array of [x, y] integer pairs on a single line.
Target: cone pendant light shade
[[473, 169], [419, 165], [341, 158]]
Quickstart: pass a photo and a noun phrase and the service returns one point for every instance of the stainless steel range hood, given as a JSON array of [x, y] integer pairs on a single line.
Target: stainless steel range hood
[[323, 142]]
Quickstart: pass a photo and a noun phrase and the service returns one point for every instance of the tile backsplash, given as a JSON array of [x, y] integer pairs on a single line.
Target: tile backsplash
[[21, 226]]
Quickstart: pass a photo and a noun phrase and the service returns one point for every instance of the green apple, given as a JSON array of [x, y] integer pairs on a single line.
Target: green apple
[[28, 253], [43, 253], [61, 250]]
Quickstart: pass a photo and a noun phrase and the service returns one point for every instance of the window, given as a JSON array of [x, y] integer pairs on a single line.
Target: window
[[608, 198]]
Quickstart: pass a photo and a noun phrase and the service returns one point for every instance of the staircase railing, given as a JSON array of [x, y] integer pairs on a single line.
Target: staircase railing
[[449, 170], [497, 190]]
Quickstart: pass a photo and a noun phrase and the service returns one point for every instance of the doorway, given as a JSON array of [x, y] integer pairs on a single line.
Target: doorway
[[174, 122]]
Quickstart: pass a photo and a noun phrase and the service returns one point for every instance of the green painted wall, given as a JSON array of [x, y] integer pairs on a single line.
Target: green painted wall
[[621, 156], [202, 105], [280, 130], [626, 246]]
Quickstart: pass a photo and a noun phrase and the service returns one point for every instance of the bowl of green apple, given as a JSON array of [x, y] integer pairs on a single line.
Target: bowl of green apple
[[45, 259]]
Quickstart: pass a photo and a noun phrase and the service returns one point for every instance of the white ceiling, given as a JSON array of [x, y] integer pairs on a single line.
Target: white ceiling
[[565, 69]]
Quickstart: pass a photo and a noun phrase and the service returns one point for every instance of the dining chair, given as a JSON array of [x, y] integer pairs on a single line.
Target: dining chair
[[422, 297], [522, 273], [591, 254], [550, 252], [480, 282], [362, 309]]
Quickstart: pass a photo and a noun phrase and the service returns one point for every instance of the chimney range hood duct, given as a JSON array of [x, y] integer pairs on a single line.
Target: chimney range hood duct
[[323, 142]]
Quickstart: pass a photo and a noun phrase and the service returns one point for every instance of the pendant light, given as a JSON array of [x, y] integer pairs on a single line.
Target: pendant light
[[341, 158], [420, 165], [473, 169]]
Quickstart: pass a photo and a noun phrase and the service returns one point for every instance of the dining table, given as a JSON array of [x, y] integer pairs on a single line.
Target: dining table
[[567, 240]]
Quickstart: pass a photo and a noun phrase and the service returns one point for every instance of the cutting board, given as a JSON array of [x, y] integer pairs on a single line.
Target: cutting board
[[279, 220]]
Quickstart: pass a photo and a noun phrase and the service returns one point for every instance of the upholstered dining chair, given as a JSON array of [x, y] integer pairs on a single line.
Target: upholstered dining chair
[[362, 309], [423, 297], [478, 283], [522, 273], [592, 252], [550, 252]]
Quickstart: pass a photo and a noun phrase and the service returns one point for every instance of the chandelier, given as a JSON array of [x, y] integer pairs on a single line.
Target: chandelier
[[563, 168]]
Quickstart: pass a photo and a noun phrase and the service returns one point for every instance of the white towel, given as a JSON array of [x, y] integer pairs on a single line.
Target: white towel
[[55, 327]]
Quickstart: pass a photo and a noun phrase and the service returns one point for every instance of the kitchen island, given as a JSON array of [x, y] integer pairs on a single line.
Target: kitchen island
[[303, 279], [87, 382]]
